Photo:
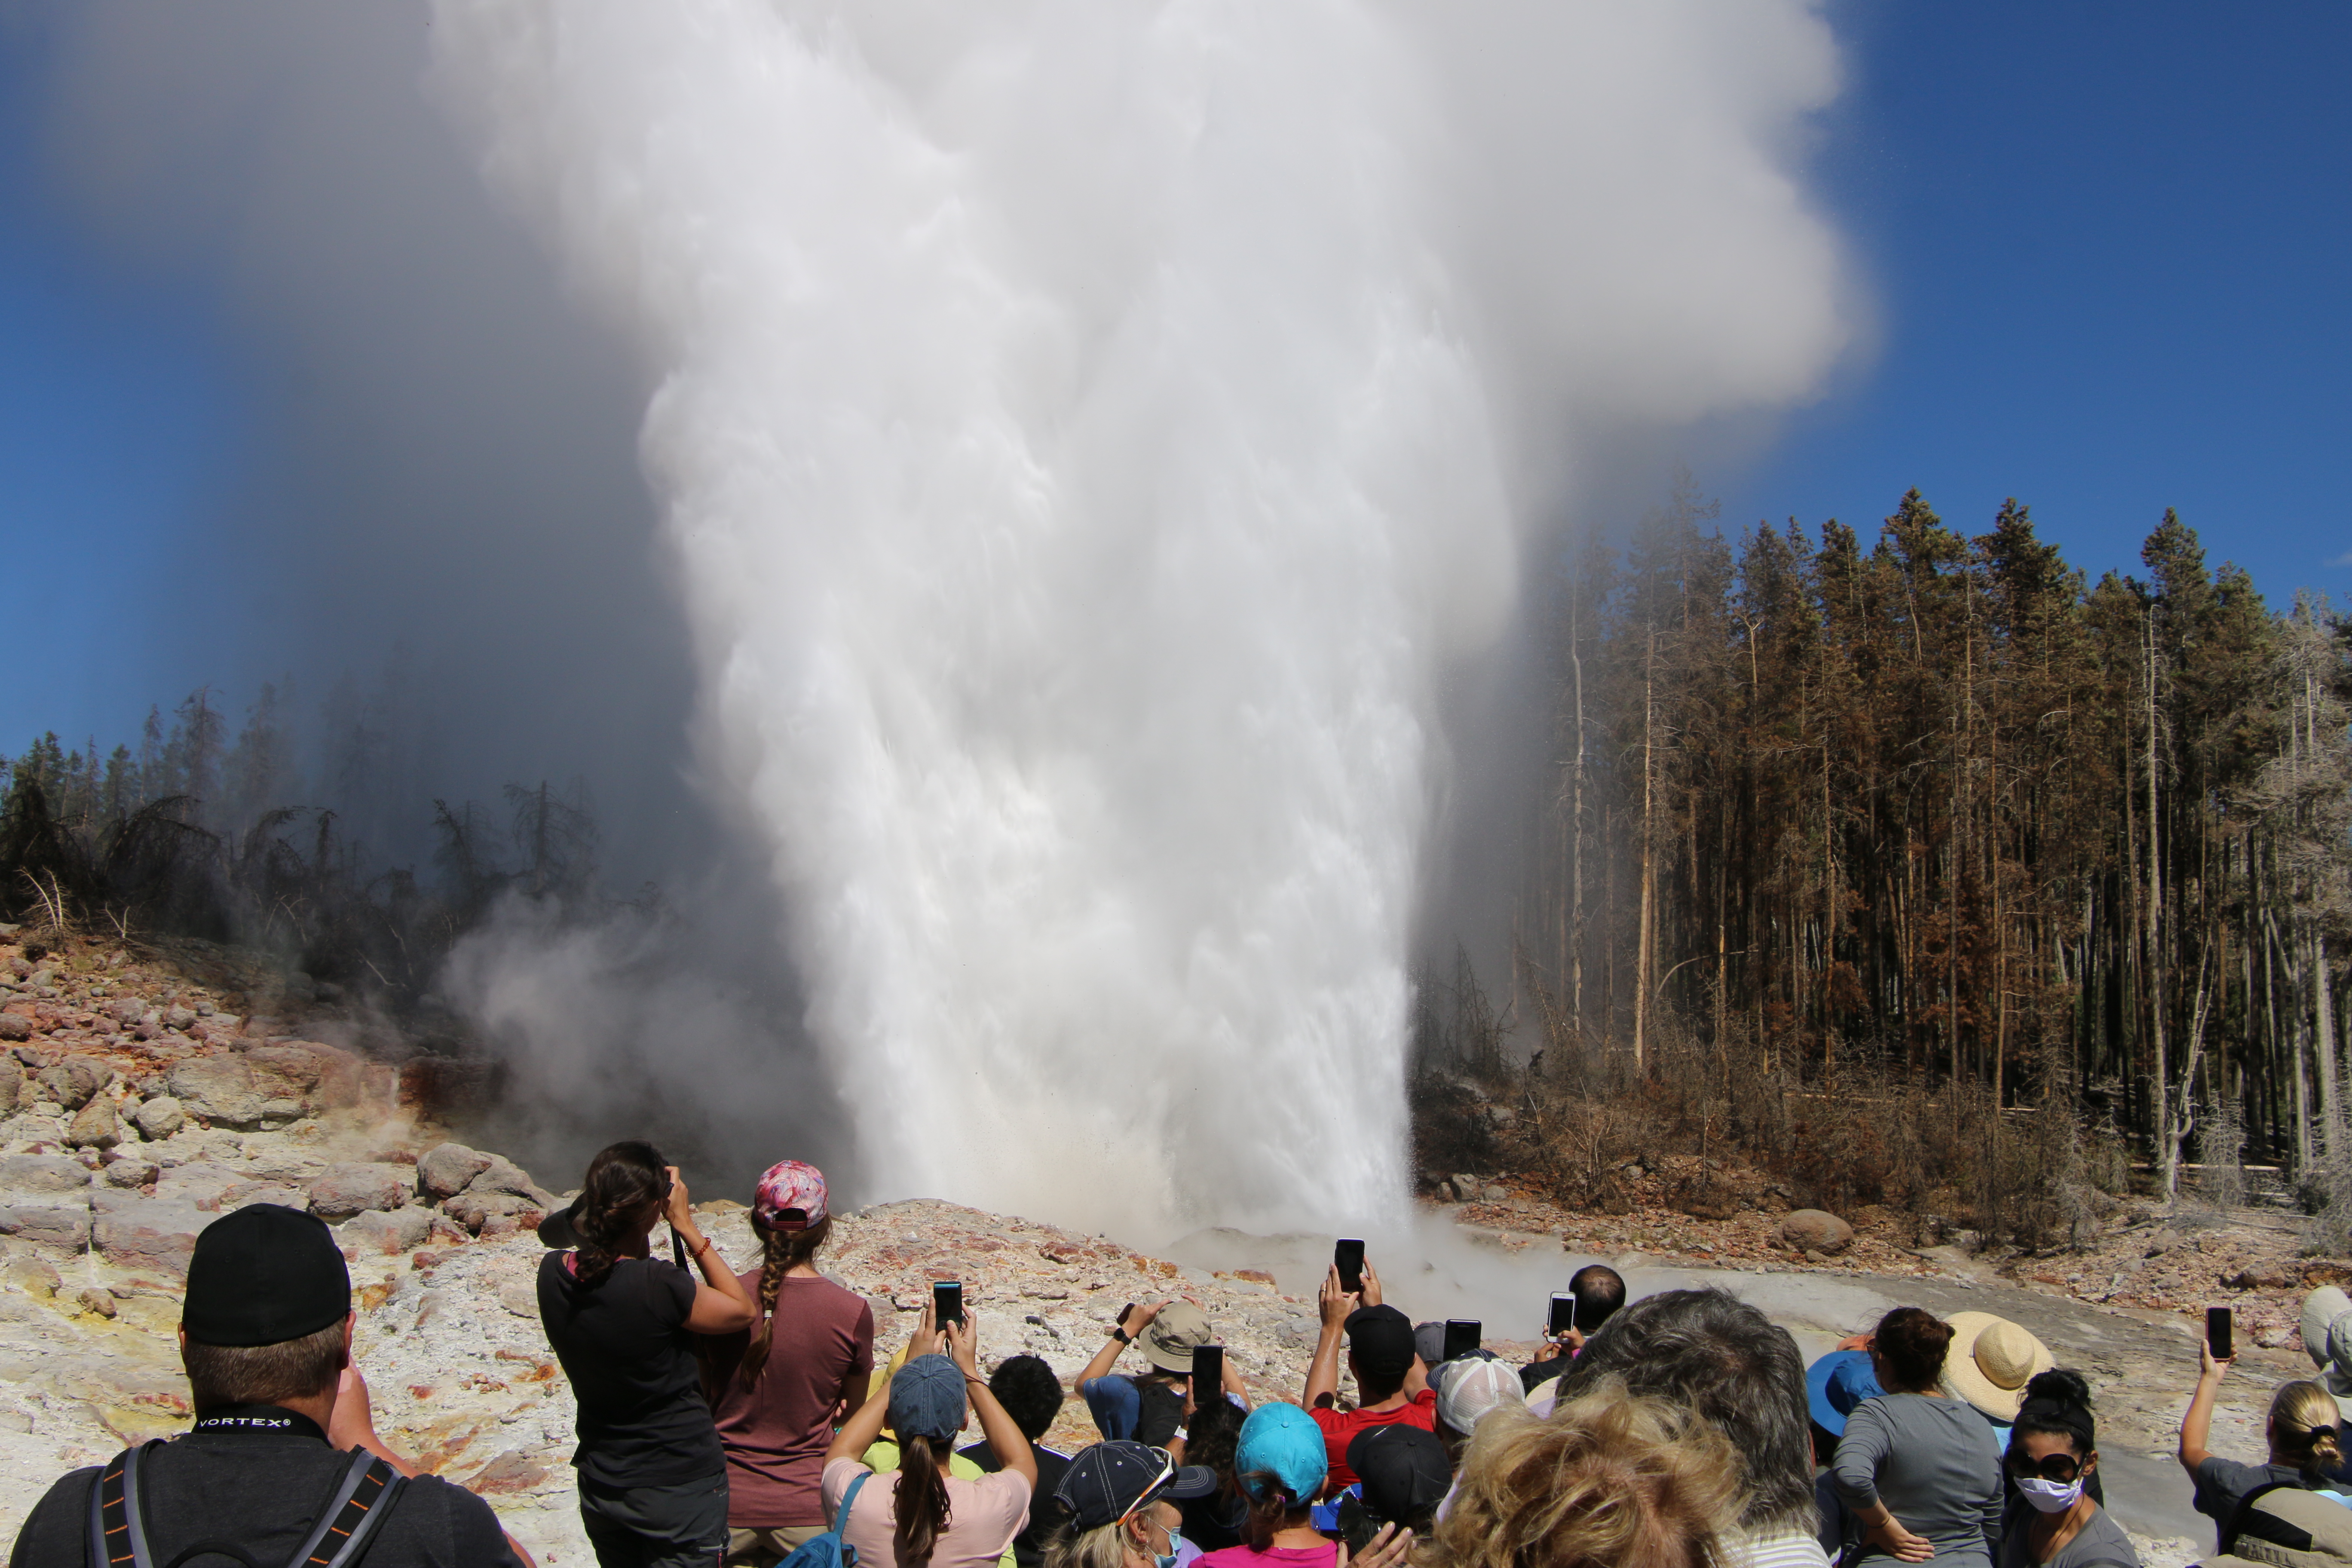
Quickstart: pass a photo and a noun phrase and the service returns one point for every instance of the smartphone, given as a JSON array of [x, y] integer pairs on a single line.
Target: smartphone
[[1208, 1371], [1124, 1314], [947, 1301], [1349, 1256], [2217, 1331], [1563, 1313], [1461, 1337]]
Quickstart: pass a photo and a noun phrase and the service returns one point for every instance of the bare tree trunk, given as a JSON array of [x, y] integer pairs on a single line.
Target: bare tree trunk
[[1576, 831], [2152, 927], [1644, 955]]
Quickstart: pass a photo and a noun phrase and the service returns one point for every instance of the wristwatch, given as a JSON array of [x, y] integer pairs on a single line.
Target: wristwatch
[[1122, 1335]]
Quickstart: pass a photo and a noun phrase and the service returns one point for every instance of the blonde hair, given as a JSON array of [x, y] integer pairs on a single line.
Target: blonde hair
[[2303, 1427], [1612, 1480], [1097, 1547]]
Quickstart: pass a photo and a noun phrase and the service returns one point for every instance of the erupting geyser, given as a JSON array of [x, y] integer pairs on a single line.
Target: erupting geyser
[[1086, 429]]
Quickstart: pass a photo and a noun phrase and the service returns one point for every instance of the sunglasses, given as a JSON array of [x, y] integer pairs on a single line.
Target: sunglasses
[[2059, 1467], [1167, 1473]]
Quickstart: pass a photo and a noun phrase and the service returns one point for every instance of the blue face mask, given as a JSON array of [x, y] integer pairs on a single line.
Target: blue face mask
[[1175, 1550]]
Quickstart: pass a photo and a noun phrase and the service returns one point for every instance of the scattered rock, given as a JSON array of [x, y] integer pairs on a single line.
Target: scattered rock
[[16, 1027], [95, 1301], [146, 1234], [217, 1089], [355, 1188], [47, 1220], [444, 1172], [73, 1081], [127, 1009], [1814, 1230], [503, 1175], [95, 1126], [132, 1171], [476, 1211], [12, 1086], [42, 1173], [33, 1276], [179, 1019], [388, 1231], [158, 1118]]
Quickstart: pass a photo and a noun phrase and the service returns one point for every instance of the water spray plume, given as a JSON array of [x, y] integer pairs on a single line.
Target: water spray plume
[[1085, 433]]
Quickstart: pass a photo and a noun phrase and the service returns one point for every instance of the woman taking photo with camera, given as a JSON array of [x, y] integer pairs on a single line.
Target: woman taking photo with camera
[[653, 1478]]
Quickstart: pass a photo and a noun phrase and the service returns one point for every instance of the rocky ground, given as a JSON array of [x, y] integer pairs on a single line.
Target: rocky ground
[[144, 1091]]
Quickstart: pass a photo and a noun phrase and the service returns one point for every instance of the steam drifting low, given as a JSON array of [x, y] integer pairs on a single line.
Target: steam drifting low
[[1086, 431]]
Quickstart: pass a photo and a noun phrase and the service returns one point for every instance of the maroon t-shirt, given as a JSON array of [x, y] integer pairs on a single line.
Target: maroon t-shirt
[[775, 1430]]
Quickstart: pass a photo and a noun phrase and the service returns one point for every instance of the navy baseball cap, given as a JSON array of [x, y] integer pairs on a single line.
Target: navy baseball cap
[[1109, 1481]]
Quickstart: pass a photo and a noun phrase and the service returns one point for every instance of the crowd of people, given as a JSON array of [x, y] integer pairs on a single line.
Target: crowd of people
[[740, 1418]]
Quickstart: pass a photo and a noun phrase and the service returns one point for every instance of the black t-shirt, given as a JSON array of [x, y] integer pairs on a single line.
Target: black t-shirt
[[2223, 1485], [1160, 1410], [1045, 1513], [624, 1346], [263, 1490]]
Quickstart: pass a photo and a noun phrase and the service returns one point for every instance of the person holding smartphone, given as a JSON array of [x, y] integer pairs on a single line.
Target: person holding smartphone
[[623, 1323], [1148, 1408], [2300, 1431], [924, 1514], [1392, 1383]]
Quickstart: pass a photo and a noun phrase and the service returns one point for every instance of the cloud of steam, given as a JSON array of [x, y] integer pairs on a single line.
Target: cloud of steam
[[1087, 433]]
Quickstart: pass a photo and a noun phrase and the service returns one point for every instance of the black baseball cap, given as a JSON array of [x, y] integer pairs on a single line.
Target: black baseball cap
[[1381, 1340], [1402, 1469], [1107, 1482], [264, 1275]]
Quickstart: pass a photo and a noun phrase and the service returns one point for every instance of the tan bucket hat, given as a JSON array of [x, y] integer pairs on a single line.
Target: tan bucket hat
[[1168, 1339], [1991, 1361]]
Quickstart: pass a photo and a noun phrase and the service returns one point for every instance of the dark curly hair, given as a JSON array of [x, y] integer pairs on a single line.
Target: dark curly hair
[[1911, 1341], [1029, 1392]]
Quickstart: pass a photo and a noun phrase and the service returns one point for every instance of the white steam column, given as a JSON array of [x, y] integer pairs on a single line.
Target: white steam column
[[1085, 430]]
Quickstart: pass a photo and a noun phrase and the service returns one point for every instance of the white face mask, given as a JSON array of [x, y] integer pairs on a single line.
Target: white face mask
[[2051, 1496]]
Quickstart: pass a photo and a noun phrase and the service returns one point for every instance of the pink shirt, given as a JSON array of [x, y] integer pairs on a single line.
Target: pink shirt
[[983, 1516], [1323, 1556]]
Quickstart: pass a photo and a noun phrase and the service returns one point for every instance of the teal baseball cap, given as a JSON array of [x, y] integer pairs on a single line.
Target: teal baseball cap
[[1283, 1442]]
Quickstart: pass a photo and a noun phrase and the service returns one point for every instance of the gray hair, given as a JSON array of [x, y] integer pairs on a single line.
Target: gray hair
[[1718, 1358]]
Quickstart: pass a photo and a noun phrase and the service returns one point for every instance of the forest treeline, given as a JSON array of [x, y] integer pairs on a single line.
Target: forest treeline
[[202, 831], [1927, 815]]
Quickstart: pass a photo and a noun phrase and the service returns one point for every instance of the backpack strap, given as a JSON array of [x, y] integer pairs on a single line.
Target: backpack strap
[[848, 1501], [369, 1487], [117, 1534], [2226, 1537]]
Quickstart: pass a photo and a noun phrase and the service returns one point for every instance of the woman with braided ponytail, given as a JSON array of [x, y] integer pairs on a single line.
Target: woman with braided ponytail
[[780, 1387], [652, 1480], [2305, 1448]]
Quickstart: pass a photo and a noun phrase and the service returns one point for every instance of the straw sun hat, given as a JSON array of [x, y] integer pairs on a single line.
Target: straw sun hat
[[1991, 1361]]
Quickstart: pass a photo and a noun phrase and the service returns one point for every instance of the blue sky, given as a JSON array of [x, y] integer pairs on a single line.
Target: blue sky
[[2106, 243], [2110, 244]]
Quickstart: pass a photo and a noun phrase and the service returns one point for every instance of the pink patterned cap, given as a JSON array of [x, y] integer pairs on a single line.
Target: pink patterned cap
[[791, 1196]]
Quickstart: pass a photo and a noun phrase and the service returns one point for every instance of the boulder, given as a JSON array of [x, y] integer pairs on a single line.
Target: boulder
[[503, 1175], [357, 1188], [217, 1089], [1815, 1230], [42, 1173], [96, 1302], [95, 1126], [46, 1219], [316, 1077], [475, 1210], [133, 1171], [179, 1019], [126, 1010], [443, 1170], [16, 1027], [146, 1234], [73, 1080], [34, 1277], [396, 1230], [159, 1117]]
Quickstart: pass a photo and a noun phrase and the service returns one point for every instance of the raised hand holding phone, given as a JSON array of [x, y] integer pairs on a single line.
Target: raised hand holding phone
[[947, 1301], [1347, 1257], [2218, 1339]]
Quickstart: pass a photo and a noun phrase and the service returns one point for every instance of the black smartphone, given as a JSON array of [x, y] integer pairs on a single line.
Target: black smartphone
[[947, 1301], [1349, 1256], [1461, 1337], [2217, 1331], [1563, 1313], [1125, 1313], [1208, 1371]]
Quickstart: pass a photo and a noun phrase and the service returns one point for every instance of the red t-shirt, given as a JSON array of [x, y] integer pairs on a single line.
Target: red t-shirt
[[1340, 1428], [775, 1431]]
